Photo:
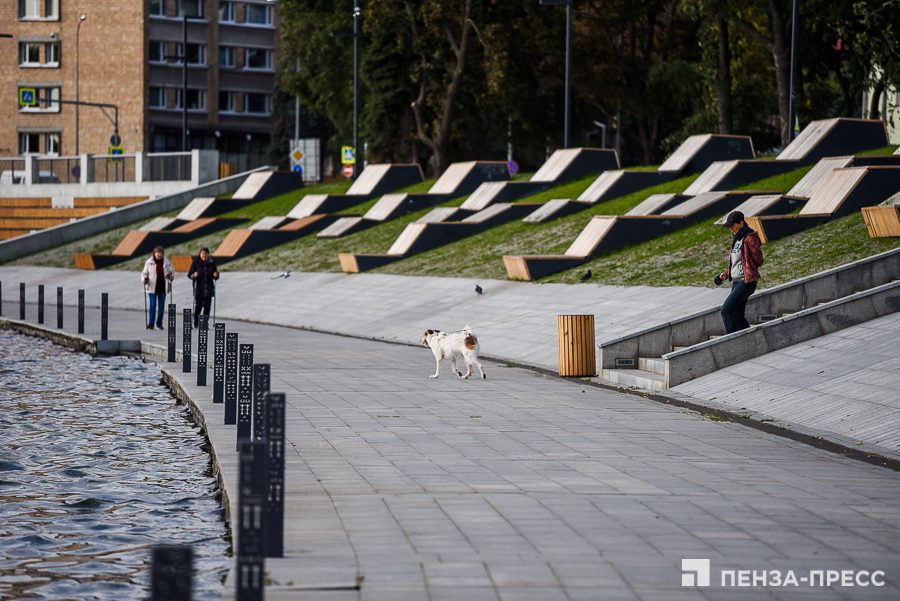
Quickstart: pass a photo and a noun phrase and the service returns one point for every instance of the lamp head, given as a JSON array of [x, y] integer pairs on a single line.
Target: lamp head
[[83, 17]]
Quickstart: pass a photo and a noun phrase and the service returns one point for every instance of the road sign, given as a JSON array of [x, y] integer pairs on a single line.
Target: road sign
[[347, 170], [115, 140], [76, 171], [298, 169], [297, 155], [513, 167], [348, 156], [117, 151], [27, 96]]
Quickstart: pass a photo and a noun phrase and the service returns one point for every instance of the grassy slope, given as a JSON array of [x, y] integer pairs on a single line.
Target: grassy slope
[[686, 257]]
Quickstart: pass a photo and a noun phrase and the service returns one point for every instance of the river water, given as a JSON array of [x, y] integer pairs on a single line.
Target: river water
[[98, 464]]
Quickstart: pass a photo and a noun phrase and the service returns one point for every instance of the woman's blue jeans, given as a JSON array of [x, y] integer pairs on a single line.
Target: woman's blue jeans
[[734, 306], [157, 300]]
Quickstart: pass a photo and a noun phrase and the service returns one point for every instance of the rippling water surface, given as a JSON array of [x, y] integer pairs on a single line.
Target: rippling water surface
[[97, 464]]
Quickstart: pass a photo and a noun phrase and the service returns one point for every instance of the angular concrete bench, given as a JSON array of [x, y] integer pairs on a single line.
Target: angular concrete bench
[[607, 233], [695, 154]]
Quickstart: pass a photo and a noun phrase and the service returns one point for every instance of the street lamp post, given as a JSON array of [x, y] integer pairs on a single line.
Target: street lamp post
[[355, 36], [568, 110], [792, 110], [77, 81]]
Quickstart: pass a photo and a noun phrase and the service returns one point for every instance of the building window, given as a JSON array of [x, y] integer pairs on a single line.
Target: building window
[[157, 8], [226, 56], [29, 55], [226, 102], [52, 11], [29, 143], [258, 59], [258, 14], [157, 53], [51, 144], [42, 106], [196, 53], [157, 98], [257, 104], [51, 54], [191, 8], [31, 9], [226, 12], [196, 100]]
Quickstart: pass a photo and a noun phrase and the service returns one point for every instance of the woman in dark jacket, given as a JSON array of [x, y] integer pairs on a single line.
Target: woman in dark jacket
[[204, 274], [744, 262]]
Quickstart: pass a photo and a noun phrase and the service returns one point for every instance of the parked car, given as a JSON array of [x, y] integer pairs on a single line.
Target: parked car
[[18, 177]]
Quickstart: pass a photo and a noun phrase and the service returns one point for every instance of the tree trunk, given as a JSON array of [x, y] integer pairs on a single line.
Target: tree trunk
[[723, 79], [781, 52], [875, 100]]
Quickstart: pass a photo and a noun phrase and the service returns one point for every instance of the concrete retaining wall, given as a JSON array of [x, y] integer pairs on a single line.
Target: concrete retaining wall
[[792, 297], [685, 365], [96, 224]]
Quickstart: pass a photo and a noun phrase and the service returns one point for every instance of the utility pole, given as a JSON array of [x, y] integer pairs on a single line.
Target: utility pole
[[792, 111], [355, 36], [77, 81], [568, 110]]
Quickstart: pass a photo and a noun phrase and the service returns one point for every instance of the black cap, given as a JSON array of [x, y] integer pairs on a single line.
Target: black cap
[[734, 217]]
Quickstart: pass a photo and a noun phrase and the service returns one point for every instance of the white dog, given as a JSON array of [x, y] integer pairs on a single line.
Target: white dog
[[450, 345]]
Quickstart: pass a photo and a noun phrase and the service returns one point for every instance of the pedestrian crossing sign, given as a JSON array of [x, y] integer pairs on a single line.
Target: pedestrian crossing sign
[[348, 155], [115, 154], [27, 96]]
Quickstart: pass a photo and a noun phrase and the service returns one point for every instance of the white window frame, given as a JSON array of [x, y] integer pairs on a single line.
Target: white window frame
[[43, 107], [24, 59], [268, 61], [229, 102], [269, 15], [201, 97], [229, 51], [161, 46], [52, 144], [47, 54], [26, 137], [161, 92], [30, 10], [162, 9], [229, 16], [268, 109], [201, 54]]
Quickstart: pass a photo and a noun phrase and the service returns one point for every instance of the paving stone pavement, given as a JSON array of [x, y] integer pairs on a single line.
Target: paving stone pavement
[[531, 487], [845, 382]]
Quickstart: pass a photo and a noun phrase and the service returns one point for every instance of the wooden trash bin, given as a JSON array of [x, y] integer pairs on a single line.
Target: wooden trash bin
[[577, 356]]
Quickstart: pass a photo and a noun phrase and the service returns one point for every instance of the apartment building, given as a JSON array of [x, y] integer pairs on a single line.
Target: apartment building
[[130, 54]]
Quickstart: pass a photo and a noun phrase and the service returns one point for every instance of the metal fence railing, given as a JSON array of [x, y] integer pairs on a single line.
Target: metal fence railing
[[112, 168], [12, 171], [168, 167], [59, 170]]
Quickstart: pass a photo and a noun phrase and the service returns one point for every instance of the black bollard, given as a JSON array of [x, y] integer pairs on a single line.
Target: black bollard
[[1, 298], [22, 301], [202, 338], [59, 307], [172, 334], [231, 369], [40, 303], [250, 534], [170, 576], [186, 342], [245, 394], [219, 365], [81, 311], [261, 384], [274, 513], [104, 316]]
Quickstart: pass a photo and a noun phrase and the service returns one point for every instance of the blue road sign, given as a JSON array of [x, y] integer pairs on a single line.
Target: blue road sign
[[27, 96], [76, 171], [298, 169]]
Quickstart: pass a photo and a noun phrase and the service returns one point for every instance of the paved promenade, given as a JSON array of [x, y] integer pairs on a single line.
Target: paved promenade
[[531, 487]]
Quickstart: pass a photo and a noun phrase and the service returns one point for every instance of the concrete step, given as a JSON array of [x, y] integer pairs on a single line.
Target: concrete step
[[635, 377], [656, 365]]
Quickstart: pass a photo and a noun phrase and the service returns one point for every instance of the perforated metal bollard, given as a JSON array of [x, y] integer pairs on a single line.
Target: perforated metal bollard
[[104, 316], [81, 311], [274, 527], [186, 342], [202, 338], [261, 383], [250, 529], [231, 370], [22, 301], [172, 572], [40, 303], [59, 308], [245, 393], [219, 365], [172, 334]]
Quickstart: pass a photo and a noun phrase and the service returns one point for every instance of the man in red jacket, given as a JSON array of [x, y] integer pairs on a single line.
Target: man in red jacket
[[743, 271]]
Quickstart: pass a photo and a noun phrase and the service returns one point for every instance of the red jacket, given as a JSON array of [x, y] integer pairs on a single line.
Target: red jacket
[[751, 252]]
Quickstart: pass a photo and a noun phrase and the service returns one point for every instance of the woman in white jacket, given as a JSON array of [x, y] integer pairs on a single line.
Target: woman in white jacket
[[157, 276]]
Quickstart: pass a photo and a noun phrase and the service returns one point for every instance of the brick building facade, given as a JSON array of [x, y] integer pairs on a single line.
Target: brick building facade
[[122, 59]]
